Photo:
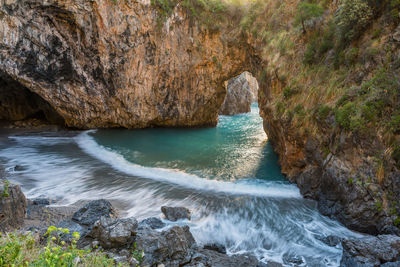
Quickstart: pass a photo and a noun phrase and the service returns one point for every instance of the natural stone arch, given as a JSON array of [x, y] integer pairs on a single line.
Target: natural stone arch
[[101, 64]]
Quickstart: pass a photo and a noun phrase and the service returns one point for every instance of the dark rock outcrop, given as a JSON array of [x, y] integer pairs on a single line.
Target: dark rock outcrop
[[93, 211], [175, 213], [12, 206], [371, 251]]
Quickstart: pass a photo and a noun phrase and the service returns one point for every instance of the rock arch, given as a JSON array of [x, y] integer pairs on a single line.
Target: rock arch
[[101, 64]]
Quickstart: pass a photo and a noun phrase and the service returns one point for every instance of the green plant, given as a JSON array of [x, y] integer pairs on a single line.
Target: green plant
[[5, 189], [323, 113], [397, 221], [352, 18], [136, 254], [18, 249], [289, 91], [379, 205], [344, 114], [307, 11], [350, 181]]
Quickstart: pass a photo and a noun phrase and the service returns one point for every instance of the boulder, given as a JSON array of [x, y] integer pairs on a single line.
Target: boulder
[[371, 251], [12, 206], [173, 246], [241, 92], [176, 213], [153, 223], [216, 247], [114, 233], [92, 211]]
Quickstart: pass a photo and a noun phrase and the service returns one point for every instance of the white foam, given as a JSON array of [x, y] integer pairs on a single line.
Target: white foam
[[118, 162]]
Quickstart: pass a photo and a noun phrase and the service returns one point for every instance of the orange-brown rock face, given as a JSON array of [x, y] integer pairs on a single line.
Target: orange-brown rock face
[[101, 64]]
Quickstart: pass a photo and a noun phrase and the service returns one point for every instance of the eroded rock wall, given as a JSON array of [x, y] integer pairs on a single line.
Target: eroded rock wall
[[107, 64], [336, 168]]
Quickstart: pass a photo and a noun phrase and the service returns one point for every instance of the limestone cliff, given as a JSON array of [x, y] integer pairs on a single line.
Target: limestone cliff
[[112, 64]]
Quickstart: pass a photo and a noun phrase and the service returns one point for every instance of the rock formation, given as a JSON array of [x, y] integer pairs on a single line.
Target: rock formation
[[110, 64], [242, 91], [12, 206]]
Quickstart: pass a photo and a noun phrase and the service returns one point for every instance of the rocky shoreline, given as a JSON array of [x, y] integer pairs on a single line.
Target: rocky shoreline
[[101, 229], [163, 241]]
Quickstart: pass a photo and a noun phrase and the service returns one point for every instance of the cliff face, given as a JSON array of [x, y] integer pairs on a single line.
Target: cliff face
[[112, 64], [332, 117]]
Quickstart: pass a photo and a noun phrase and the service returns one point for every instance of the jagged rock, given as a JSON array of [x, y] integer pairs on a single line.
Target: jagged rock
[[92, 211], [41, 201], [114, 233], [170, 246], [109, 63], [12, 206], [153, 223], [175, 213], [370, 251], [73, 227], [216, 247], [216, 259], [241, 92]]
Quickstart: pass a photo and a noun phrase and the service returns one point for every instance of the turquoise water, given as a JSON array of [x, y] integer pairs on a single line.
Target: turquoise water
[[227, 176], [237, 148]]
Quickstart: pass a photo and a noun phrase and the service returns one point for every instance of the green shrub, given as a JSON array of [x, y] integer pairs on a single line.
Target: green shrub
[[307, 11], [352, 17], [18, 249], [289, 91], [299, 110], [344, 115], [395, 123], [323, 113], [5, 190]]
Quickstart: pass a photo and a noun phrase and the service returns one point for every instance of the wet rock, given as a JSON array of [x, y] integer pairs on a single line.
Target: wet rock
[[175, 213], [216, 247], [273, 264], [370, 251], [113, 233], [216, 259], [241, 93], [13, 206], [41, 201], [153, 223], [171, 246], [330, 240], [92, 212], [289, 258]]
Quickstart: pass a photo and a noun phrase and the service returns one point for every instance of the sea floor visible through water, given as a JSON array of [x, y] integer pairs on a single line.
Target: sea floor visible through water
[[228, 176]]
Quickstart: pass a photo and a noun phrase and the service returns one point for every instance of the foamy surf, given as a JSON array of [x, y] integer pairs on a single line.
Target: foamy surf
[[180, 178]]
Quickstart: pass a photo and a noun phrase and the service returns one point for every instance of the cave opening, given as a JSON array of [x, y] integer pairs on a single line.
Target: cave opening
[[241, 94], [18, 103]]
